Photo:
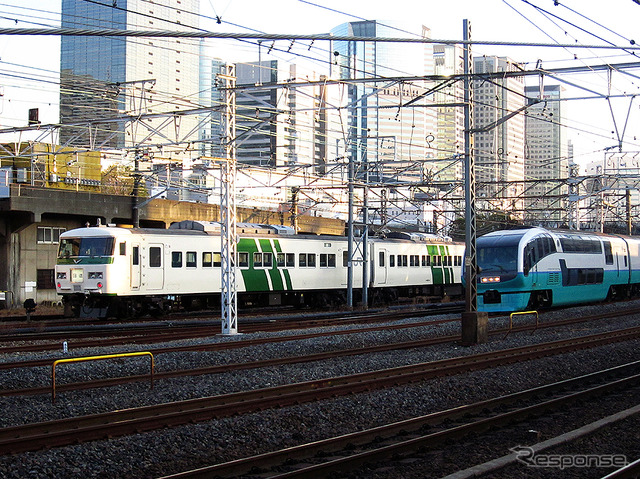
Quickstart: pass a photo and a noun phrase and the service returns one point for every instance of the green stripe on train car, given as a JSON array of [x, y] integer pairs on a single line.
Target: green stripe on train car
[[100, 260], [437, 275], [287, 279], [254, 279]]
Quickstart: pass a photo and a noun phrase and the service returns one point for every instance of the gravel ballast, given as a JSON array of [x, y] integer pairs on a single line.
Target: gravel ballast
[[181, 448]]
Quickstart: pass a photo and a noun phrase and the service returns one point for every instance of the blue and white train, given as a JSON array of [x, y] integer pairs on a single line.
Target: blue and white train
[[531, 268], [104, 271]]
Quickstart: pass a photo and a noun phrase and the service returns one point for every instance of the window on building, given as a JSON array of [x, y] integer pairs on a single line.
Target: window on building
[[45, 279], [49, 234]]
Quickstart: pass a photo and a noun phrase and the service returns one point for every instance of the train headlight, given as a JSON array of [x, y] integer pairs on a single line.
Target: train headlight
[[490, 279], [95, 274], [61, 275]]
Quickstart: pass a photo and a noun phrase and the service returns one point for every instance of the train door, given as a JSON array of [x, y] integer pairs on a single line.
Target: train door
[[155, 276], [135, 266], [382, 265]]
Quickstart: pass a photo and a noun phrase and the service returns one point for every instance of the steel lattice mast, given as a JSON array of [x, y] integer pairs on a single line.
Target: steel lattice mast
[[228, 233]]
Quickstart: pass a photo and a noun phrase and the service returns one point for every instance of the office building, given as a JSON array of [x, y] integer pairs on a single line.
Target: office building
[[104, 79], [546, 166], [499, 142]]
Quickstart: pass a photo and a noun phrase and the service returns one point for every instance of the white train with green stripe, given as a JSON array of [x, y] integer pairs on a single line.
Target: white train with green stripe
[[112, 271]]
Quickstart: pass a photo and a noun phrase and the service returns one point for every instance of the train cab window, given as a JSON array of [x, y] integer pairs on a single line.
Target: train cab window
[[207, 259], [135, 255], [123, 249], [291, 260], [392, 261], [257, 260], [243, 260], [155, 257], [176, 259], [280, 262], [192, 261], [381, 259]]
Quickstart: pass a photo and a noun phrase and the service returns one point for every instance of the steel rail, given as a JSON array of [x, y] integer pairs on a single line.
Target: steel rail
[[35, 436], [265, 461]]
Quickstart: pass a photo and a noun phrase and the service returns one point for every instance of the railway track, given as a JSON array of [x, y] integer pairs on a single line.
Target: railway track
[[35, 436], [153, 333], [395, 441], [271, 362]]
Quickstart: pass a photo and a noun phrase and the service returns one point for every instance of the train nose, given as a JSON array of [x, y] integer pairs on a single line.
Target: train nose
[[492, 296]]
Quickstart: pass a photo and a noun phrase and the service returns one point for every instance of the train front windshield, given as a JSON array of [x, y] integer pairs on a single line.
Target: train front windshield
[[498, 254], [75, 247]]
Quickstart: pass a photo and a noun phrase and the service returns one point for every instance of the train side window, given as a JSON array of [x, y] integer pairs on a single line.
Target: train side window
[[155, 257], [176, 259], [404, 260], [327, 260], [267, 260], [207, 259], [625, 261], [135, 255], [192, 260], [311, 260], [392, 261], [291, 260], [257, 260], [302, 260], [123, 249], [381, 259], [608, 253], [280, 260], [243, 260], [217, 260], [345, 259]]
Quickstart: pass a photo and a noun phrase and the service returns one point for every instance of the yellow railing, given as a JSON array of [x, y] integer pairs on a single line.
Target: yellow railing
[[520, 312], [94, 358]]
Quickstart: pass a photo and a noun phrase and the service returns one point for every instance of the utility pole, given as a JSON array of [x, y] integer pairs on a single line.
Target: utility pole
[[228, 233], [474, 323], [135, 213]]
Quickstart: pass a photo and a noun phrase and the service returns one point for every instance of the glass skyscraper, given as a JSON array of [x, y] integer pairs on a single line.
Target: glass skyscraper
[[104, 78], [382, 133]]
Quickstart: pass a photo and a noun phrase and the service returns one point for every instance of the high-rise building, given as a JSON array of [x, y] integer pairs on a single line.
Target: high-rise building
[[104, 78], [546, 166], [499, 144], [286, 125], [382, 132]]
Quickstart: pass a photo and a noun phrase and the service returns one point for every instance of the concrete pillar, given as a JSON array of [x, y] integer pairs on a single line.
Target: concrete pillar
[[475, 328]]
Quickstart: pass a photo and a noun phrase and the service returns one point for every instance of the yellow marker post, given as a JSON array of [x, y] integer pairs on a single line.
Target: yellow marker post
[[520, 312], [94, 358]]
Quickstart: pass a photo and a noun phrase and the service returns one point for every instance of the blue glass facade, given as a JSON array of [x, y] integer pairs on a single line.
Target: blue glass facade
[[378, 133]]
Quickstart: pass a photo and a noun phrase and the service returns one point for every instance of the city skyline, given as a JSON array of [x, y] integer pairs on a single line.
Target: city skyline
[[589, 138]]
